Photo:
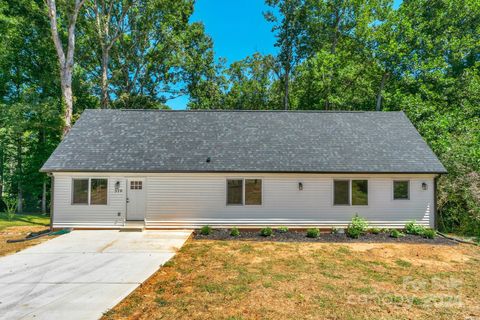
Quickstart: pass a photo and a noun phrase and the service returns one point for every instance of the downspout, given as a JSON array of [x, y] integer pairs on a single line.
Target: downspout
[[52, 192]]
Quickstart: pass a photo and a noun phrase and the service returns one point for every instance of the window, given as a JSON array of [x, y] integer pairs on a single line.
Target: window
[[80, 191], [90, 191], [235, 192], [98, 191], [359, 192], [341, 194], [346, 192], [253, 191], [401, 190], [250, 189], [136, 185]]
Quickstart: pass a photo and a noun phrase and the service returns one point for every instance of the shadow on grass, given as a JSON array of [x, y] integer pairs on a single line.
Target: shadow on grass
[[31, 221]]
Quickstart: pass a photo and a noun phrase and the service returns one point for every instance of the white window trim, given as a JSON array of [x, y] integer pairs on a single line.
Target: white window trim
[[350, 193], [243, 192], [89, 191], [409, 188]]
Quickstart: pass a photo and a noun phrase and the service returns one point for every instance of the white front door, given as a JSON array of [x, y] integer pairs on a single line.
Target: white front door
[[136, 200]]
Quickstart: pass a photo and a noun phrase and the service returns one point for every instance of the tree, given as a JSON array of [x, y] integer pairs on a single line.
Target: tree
[[250, 83], [109, 20], [204, 78], [288, 30], [65, 57]]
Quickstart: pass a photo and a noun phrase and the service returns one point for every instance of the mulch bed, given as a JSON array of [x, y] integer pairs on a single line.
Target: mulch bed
[[300, 236]]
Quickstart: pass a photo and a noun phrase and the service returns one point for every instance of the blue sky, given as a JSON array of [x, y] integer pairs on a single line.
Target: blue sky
[[238, 29]]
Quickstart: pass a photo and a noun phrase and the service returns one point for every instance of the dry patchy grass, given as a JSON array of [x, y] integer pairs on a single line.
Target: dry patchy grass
[[18, 232], [267, 280]]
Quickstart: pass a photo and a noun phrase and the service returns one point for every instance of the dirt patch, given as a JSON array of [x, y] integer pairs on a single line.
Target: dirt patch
[[216, 279], [11, 233], [300, 236]]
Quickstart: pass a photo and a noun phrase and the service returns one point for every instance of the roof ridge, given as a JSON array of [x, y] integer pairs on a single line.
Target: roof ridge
[[243, 111]]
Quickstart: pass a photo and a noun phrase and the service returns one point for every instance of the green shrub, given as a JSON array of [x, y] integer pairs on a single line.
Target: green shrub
[[335, 230], [282, 229], [396, 234], [313, 233], [266, 232], [234, 232], [413, 228], [10, 207], [429, 233], [357, 227], [205, 230], [375, 230]]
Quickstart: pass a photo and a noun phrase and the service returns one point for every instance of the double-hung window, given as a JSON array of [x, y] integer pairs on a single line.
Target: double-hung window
[[350, 192], [90, 191], [244, 192]]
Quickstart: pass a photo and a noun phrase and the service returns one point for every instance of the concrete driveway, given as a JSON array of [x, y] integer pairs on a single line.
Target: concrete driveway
[[82, 274]]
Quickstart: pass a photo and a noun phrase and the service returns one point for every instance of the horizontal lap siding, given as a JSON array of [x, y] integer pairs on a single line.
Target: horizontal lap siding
[[194, 200], [66, 214]]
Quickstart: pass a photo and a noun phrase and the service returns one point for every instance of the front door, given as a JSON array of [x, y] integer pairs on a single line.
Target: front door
[[136, 199]]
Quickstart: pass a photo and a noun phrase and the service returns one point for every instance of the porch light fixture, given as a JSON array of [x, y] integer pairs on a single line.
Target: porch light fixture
[[117, 186], [300, 186], [424, 186]]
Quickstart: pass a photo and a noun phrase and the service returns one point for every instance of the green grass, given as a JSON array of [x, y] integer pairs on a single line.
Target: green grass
[[24, 220]]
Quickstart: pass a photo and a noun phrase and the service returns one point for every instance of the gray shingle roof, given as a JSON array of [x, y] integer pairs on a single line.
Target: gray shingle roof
[[243, 141]]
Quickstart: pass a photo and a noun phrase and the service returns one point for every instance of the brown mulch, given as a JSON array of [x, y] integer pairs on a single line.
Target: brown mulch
[[19, 232], [300, 236]]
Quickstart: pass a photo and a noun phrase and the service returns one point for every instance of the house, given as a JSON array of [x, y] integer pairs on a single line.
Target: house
[[172, 169]]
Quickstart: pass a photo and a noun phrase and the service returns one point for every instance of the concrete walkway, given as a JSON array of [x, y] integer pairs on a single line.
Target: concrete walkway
[[82, 274]]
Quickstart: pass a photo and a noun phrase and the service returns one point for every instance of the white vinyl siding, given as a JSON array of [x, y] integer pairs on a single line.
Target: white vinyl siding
[[66, 214], [196, 199]]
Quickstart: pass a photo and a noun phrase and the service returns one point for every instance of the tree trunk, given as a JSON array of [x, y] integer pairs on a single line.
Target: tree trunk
[[44, 197], [286, 93], [68, 100], [380, 91], [1, 173], [66, 61], [105, 98], [19, 176]]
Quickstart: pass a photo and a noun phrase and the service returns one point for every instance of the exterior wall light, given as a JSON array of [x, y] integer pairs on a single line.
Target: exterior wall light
[[424, 186], [300, 186]]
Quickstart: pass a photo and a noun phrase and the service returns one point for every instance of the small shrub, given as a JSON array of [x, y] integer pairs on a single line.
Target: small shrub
[[10, 207], [375, 230], [234, 232], [429, 233], [266, 232], [205, 230], [357, 227], [396, 234], [335, 230], [413, 228], [282, 229], [313, 233]]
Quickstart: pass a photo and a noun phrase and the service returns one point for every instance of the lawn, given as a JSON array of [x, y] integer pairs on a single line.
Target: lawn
[[24, 220], [19, 228], [212, 279]]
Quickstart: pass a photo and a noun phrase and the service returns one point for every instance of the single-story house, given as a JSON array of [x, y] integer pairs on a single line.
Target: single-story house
[[179, 169]]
